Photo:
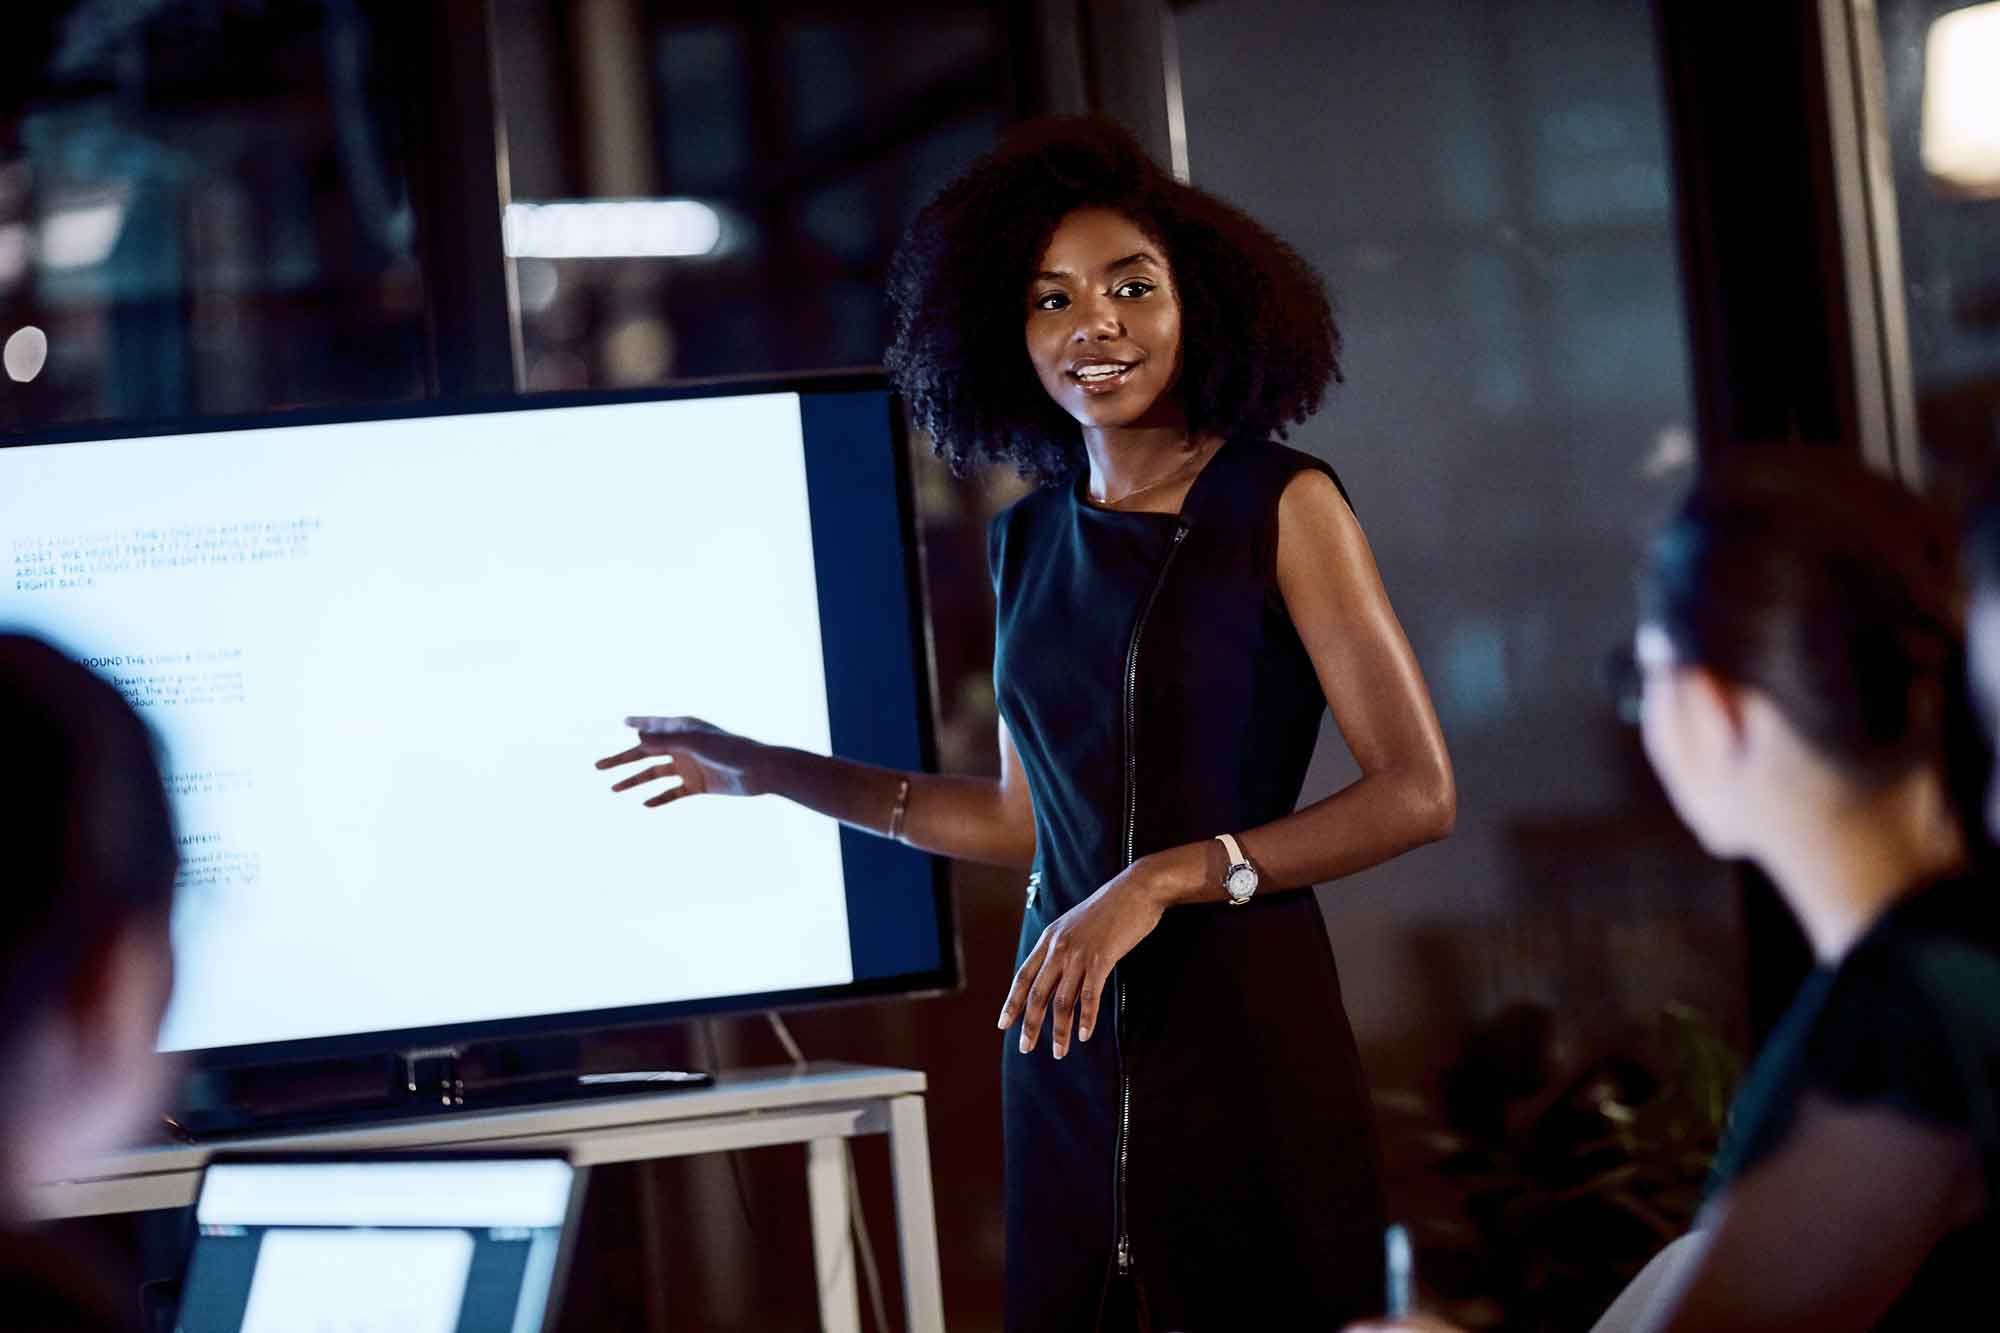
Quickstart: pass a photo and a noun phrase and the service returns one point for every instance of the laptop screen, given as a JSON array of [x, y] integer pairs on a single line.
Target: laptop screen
[[377, 1246]]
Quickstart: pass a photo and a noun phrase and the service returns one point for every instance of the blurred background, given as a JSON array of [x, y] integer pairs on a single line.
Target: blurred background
[[1575, 246]]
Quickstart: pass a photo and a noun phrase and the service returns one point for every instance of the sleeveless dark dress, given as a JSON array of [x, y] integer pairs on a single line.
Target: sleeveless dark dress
[[1214, 1141]]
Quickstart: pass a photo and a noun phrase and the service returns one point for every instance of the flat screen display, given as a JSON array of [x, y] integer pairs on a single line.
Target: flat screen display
[[382, 654]]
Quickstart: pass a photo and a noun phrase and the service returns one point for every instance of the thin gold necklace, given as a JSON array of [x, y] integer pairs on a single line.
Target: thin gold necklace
[[1200, 456]]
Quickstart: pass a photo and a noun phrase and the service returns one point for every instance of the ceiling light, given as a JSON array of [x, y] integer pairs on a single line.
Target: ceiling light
[[1961, 116], [611, 229]]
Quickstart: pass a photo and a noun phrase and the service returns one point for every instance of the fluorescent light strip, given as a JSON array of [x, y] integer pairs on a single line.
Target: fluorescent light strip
[[82, 237], [611, 229]]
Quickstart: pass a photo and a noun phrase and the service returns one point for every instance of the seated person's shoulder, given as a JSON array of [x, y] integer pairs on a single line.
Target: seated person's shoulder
[[1913, 1017], [1939, 949]]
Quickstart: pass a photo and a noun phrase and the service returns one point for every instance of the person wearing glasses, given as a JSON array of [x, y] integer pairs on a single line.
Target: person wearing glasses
[[1801, 653], [89, 856], [1187, 1133]]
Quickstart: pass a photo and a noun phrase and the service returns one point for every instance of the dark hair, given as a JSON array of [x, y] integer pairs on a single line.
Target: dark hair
[[86, 836], [1259, 343], [1836, 592]]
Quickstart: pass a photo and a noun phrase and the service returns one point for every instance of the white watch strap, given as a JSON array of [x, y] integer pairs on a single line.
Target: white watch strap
[[1236, 857]]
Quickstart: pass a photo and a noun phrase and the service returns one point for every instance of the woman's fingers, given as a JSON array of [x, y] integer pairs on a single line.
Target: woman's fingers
[[669, 796], [657, 771], [1075, 997], [1055, 984], [1093, 988], [1055, 965], [1024, 977], [632, 755], [653, 732], [1062, 1010], [666, 726]]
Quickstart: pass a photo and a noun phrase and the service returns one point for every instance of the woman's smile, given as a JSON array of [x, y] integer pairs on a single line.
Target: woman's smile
[[1097, 375]]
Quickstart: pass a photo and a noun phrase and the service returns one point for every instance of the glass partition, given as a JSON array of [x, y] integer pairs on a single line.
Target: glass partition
[[1487, 189]]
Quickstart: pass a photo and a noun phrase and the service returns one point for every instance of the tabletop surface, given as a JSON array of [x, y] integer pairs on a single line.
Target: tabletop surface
[[734, 1092]]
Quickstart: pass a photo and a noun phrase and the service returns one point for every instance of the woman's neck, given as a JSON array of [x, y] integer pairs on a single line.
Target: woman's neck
[[1842, 866], [1128, 460]]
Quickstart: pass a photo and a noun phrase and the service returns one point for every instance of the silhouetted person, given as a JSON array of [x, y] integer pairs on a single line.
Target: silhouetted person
[[87, 867]]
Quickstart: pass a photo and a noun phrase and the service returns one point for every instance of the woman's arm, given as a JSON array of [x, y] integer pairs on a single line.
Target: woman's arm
[[967, 818], [1824, 1234], [1828, 1231], [1405, 796]]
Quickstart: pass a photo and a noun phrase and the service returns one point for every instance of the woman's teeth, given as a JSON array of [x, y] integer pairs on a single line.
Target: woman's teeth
[[1090, 373]]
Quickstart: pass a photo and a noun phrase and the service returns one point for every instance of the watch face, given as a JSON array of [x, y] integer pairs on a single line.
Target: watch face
[[1242, 882]]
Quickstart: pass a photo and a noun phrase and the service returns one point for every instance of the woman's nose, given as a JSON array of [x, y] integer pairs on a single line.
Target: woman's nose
[[1097, 320]]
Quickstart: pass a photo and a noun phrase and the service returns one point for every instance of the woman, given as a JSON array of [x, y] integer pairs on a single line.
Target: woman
[[85, 963], [1801, 651], [1177, 607]]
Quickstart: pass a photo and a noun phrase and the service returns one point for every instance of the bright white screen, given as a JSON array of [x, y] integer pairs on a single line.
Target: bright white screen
[[359, 1281], [383, 656], [529, 1193]]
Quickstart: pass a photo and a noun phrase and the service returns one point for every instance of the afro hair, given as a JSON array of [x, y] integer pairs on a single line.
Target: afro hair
[[1260, 344]]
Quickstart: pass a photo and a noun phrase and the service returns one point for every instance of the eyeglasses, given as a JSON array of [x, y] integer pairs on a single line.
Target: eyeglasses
[[1626, 684]]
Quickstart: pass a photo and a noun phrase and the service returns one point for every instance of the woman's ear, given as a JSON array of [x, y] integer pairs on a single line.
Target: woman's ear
[[119, 994], [109, 1069], [1713, 710]]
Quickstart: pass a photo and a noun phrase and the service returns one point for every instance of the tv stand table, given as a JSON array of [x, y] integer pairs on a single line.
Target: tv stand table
[[821, 1105]]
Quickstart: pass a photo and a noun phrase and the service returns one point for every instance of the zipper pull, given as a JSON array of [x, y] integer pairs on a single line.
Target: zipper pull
[[1124, 1255]]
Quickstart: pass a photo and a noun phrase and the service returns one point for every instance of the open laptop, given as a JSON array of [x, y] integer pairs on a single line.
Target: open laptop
[[379, 1243]]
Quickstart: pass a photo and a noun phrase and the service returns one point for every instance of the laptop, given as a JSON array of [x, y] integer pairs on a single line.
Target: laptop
[[379, 1243]]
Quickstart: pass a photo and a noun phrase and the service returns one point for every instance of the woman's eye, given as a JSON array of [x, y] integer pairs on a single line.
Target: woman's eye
[[1134, 287], [1051, 301]]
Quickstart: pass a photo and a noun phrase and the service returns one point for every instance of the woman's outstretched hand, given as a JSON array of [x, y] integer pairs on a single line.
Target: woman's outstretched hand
[[1063, 976], [706, 759]]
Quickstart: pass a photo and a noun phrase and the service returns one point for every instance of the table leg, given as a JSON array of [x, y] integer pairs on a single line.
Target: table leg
[[916, 1215], [833, 1238]]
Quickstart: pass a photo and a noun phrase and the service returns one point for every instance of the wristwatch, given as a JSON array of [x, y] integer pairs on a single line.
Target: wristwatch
[[1239, 881]]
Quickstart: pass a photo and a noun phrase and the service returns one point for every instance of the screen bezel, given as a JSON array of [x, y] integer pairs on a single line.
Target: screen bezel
[[945, 978]]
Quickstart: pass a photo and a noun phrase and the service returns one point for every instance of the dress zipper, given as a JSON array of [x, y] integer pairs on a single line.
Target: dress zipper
[[1124, 1247]]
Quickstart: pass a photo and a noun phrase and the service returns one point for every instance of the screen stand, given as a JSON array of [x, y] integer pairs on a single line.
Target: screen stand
[[528, 1070], [433, 1072], [422, 1081]]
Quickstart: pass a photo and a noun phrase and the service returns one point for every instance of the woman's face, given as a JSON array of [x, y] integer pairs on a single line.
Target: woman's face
[[1104, 323], [1982, 649]]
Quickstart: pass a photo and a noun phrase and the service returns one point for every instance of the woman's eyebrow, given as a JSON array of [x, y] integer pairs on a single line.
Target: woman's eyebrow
[[1064, 275]]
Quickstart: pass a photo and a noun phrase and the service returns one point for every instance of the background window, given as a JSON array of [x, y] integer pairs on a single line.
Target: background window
[[202, 210], [1941, 110]]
